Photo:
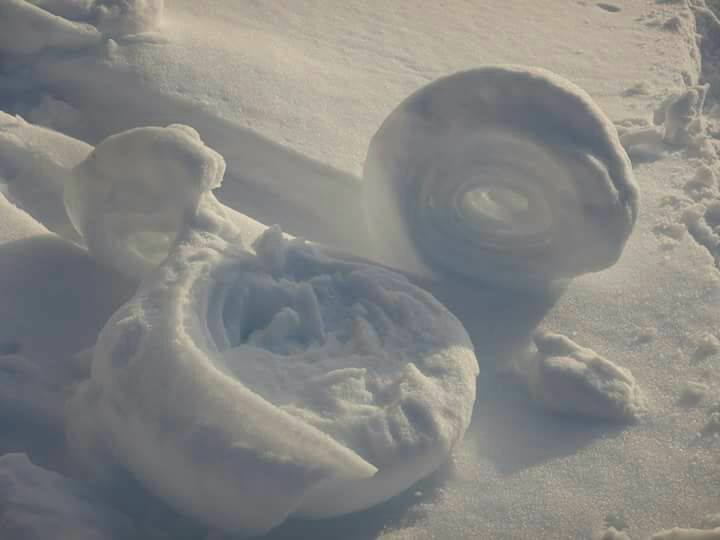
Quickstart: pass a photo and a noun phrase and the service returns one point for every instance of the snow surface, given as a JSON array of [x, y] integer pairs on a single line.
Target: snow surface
[[274, 87], [38, 504]]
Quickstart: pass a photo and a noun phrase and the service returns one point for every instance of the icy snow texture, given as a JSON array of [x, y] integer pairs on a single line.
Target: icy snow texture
[[570, 379], [245, 385], [37, 504], [505, 173]]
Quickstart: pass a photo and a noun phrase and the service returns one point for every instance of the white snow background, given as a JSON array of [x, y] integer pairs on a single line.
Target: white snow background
[[290, 94]]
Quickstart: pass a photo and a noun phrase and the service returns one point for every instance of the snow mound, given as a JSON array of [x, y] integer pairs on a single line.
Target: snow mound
[[569, 379], [37, 504], [134, 192], [504, 173], [35, 164], [27, 29]]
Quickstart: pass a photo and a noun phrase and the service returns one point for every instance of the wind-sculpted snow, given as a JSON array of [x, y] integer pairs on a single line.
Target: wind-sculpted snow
[[129, 199], [38, 504], [503, 173], [31, 26], [34, 166], [27, 29], [247, 383]]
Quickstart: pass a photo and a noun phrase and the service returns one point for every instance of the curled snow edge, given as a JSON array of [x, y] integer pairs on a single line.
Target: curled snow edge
[[245, 384]]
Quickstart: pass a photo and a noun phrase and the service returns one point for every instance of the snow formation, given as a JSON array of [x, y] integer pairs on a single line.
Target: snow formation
[[311, 385], [504, 173], [573, 380]]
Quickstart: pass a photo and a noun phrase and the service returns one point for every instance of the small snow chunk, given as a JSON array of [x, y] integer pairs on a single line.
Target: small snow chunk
[[643, 143], [270, 248], [569, 379], [692, 394], [702, 185], [682, 118]]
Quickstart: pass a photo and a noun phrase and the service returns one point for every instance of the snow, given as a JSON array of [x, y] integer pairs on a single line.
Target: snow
[[132, 194], [315, 387], [38, 504], [28, 29], [570, 379], [290, 94], [687, 534], [497, 157]]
